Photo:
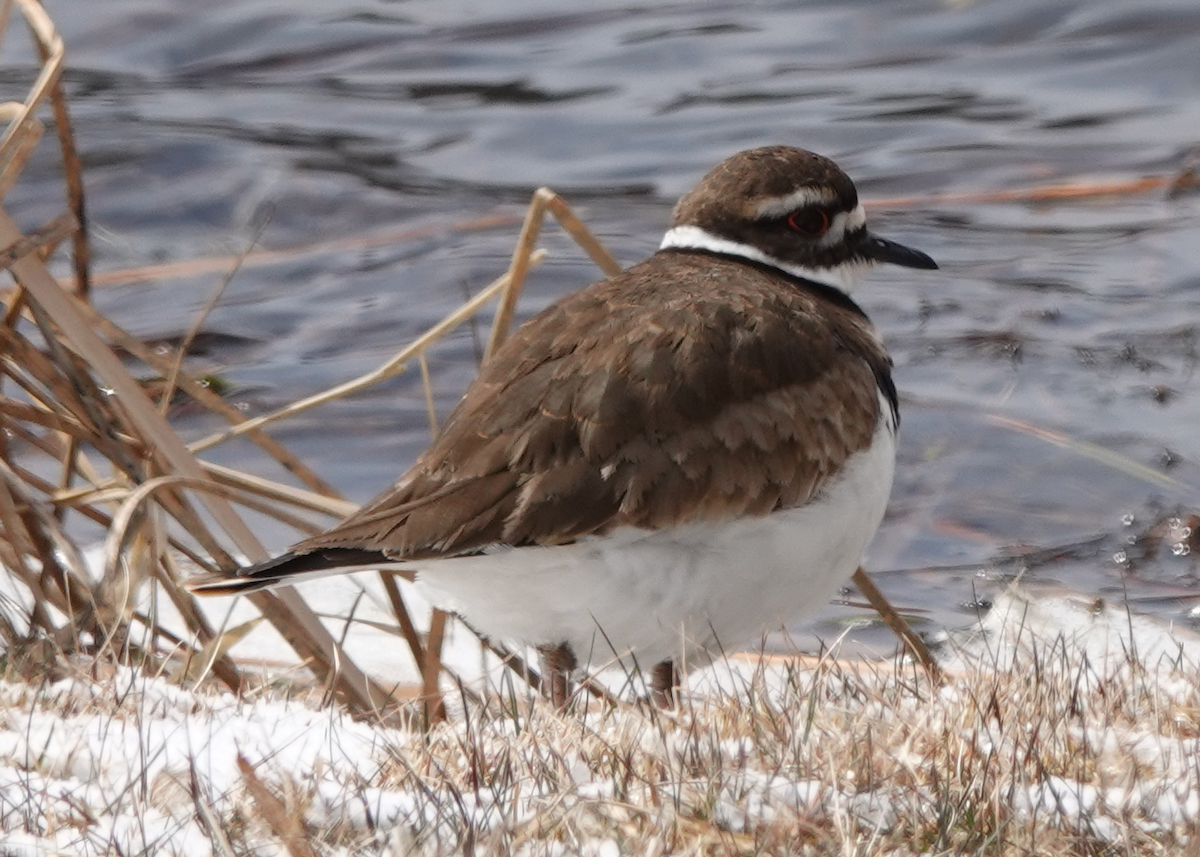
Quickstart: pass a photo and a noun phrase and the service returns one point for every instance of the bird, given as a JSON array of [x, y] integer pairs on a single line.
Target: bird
[[666, 464]]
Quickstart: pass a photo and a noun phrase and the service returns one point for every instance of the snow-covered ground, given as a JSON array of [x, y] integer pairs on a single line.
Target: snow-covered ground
[[1064, 725]]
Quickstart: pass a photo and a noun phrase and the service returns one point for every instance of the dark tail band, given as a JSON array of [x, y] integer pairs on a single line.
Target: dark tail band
[[284, 569]]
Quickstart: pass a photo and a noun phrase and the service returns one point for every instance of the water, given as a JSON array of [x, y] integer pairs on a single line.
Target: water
[[1050, 358]]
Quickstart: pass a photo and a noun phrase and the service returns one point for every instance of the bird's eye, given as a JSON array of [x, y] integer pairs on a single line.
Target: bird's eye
[[811, 222]]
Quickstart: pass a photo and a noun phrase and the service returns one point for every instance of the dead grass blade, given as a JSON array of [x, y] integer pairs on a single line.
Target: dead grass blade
[[72, 172], [1077, 191], [220, 264], [288, 612], [1107, 457], [216, 649], [40, 240], [204, 395], [524, 256], [248, 483], [20, 146], [431, 669], [172, 376], [283, 821], [391, 368], [897, 623], [48, 39]]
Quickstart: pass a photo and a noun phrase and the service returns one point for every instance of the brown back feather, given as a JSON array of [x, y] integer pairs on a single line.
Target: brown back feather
[[690, 388]]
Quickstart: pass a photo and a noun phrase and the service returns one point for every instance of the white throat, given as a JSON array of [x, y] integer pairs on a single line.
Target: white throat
[[844, 277]]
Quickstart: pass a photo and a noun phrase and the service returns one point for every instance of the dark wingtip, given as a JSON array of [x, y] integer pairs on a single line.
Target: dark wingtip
[[218, 583], [279, 571]]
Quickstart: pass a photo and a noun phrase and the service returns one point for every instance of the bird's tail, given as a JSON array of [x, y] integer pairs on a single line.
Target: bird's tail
[[289, 568]]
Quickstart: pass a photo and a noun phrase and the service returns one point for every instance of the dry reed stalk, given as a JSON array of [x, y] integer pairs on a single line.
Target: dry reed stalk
[[544, 200], [518, 268], [298, 497], [396, 365], [61, 423], [81, 254], [427, 386], [283, 820], [431, 669], [41, 239], [220, 264], [143, 420], [42, 30], [21, 146], [124, 427], [80, 500], [204, 396], [176, 366], [1069, 191], [404, 619], [900, 627], [1110, 458]]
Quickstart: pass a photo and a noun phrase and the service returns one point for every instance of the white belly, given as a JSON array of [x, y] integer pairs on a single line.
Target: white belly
[[688, 592]]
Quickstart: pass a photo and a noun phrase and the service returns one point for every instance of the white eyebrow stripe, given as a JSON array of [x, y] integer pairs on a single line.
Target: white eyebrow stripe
[[778, 206], [857, 218], [843, 222]]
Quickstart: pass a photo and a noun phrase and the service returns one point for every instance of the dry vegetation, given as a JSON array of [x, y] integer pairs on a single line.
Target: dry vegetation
[[119, 736], [1032, 746]]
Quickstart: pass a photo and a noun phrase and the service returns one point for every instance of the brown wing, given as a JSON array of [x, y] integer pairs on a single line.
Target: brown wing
[[683, 390]]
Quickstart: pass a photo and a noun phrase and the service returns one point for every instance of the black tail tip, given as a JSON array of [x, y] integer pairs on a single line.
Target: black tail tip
[[227, 583], [281, 570]]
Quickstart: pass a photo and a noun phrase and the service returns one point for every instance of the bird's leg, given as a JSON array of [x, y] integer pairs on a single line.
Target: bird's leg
[[557, 662], [664, 684]]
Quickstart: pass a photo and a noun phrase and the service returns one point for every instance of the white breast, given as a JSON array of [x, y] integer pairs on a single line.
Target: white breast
[[690, 591]]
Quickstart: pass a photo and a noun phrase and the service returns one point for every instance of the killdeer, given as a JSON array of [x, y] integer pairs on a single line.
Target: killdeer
[[668, 462]]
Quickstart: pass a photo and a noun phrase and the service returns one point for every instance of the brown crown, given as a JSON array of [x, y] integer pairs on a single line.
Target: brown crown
[[734, 188]]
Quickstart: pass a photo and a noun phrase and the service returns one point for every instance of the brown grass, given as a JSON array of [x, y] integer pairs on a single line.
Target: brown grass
[[764, 756]]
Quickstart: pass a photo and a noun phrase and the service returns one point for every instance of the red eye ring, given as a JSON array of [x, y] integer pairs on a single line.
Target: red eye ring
[[811, 222]]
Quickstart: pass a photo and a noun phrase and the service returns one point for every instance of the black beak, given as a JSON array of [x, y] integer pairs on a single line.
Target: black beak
[[882, 250]]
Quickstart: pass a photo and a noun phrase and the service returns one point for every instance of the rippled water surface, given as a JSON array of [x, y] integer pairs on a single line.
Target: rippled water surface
[[1050, 397]]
